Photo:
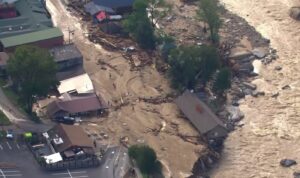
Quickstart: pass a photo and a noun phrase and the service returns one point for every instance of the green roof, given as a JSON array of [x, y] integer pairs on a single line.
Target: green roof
[[31, 37], [33, 17]]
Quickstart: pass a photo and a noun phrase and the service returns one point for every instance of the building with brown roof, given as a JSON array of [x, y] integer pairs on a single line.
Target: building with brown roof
[[70, 105], [70, 140], [200, 115]]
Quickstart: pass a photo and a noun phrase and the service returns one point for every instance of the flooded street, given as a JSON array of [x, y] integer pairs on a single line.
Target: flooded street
[[272, 124]]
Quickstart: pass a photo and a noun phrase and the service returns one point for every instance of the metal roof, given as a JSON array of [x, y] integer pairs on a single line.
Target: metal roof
[[65, 52], [198, 112], [114, 3], [33, 17], [93, 8], [80, 84], [31, 37]]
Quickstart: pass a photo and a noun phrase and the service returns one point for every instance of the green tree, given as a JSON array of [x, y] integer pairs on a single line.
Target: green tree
[[145, 158], [157, 9], [32, 70], [222, 82], [209, 12], [139, 26], [189, 63]]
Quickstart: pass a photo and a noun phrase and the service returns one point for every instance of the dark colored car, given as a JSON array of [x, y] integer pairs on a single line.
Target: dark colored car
[[65, 120]]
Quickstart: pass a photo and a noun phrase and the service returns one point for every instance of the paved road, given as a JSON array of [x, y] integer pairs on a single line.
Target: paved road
[[115, 163], [19, 119]]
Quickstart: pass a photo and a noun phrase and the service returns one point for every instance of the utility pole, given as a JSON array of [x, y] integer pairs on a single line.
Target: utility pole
[[70, 32]]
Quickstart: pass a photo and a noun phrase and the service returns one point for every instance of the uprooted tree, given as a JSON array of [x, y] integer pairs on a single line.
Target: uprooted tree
[[191, 63], [32, 70], [209, 12]]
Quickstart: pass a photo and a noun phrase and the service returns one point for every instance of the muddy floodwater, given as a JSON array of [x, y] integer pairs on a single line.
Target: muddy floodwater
[[272, 124]]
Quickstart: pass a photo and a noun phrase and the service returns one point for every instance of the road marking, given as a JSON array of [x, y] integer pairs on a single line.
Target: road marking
[[9, 171], [1, 147], [11, 175], [18, 146], [8, 145], [79, 172], [69, 173], [3, 175]]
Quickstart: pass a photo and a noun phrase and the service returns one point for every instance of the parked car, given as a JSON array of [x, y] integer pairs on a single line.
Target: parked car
[[65, 120], [9, 134]]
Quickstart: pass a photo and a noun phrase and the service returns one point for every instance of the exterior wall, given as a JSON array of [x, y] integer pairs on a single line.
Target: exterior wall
[[69, 63], [48, 43]]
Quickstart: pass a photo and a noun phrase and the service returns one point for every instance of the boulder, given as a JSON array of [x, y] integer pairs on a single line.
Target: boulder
[[249, 85], [278, 68], [287, 162], [286, 87], [235, 113], [259, 53], [296, 174], [257, 93], [240, 55], [295, 13]]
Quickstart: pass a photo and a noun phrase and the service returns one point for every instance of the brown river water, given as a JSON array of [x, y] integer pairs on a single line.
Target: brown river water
[[272, 125]]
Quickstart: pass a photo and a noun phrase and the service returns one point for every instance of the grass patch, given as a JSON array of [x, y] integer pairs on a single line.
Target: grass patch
[[3, 119]]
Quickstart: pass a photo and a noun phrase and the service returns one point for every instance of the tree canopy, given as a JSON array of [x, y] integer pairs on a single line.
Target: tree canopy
[[209, 12], [139, 25], [145, 158], [32, 70], [189, 63]]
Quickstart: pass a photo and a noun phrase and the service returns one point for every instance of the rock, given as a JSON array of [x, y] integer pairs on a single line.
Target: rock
[[246, 68], [295, 13], [287, 162], [286, 87], [235, 113], [253, 74], [296, 174], [259, 53], [278, 68], [275, 94], [257, 93], [239, 55], [249, 85], [247, 91]]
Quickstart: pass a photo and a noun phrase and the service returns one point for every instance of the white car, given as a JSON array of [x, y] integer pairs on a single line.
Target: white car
[[9, 134]]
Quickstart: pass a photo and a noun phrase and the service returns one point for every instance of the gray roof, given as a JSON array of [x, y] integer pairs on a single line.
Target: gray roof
[[114, 4], [70, 73], [65, 52], [93, 8], [33, 17], [199, 114]]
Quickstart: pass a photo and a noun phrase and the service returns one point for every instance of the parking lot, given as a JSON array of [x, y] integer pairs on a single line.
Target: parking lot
[[16, 161]]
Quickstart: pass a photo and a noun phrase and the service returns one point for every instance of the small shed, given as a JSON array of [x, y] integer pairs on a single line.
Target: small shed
[[200, 115]]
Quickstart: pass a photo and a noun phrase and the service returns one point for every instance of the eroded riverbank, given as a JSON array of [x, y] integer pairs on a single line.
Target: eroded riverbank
[[271, 130]]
